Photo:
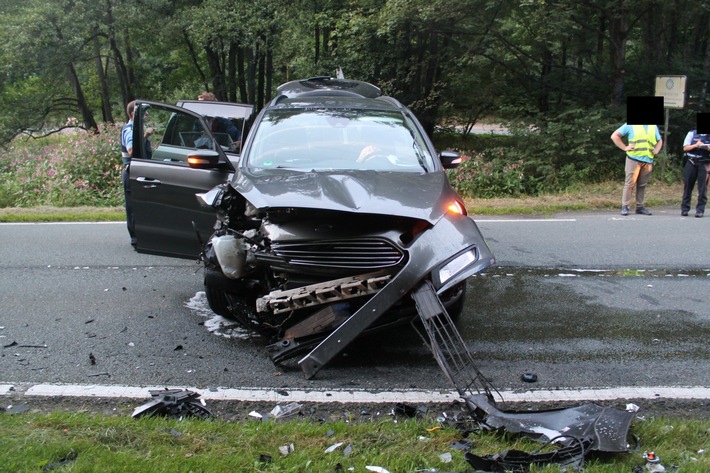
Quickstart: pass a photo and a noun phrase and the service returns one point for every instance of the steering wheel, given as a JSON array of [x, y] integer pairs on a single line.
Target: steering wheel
[[372, 153]]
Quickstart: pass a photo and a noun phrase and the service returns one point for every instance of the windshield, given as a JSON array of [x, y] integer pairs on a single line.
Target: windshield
[[326, 139]]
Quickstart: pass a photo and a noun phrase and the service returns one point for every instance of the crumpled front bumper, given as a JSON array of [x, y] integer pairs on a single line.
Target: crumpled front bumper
[[452, 236]]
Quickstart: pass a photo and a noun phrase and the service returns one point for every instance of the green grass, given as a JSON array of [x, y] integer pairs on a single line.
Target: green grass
[[106, 443], [62, 214]]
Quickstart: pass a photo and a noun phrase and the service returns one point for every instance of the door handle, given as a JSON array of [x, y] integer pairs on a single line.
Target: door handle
[[148, 182]]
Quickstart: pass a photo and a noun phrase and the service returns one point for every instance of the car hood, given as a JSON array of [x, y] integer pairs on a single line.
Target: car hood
[[422, 196]]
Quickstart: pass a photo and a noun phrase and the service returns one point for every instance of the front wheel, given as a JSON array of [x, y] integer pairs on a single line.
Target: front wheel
[[217, 300], [454, 300]]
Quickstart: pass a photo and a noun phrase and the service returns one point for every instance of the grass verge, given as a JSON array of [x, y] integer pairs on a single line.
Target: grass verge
[[84, 442], [61, 214], [602, 196]]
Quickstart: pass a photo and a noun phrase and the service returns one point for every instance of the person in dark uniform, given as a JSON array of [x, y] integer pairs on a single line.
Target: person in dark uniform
[[696, 147]]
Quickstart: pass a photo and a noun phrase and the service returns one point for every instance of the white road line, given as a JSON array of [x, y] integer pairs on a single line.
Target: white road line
[[516, 220], [349, 396]]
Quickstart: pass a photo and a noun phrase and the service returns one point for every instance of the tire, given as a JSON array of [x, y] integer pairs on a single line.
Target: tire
[[454, 306], [217, 300]]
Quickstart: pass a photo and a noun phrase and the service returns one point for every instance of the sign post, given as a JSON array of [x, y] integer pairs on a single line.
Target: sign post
[[672, 88]]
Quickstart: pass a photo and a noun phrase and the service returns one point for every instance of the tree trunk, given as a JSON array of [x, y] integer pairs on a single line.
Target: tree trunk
[[103, 84], [195, 62], [86, 115], [216, 72], [121, 71], [260, 86], [618, 37], [316, 41], [251, 80], [232, 72], [242, 76], [130, 69], [269, 73]]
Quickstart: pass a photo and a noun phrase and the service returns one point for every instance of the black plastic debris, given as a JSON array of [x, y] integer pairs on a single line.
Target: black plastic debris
[[463, 445], [68, 458], [403, 409], [604, 429], [519, 461], [103, 373], [173, 403], [529, 377]]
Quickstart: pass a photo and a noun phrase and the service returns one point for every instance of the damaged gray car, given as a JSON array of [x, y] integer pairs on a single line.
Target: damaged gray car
[[333, 210]]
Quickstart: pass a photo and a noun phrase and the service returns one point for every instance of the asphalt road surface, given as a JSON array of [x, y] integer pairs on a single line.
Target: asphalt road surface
[[582, 300]]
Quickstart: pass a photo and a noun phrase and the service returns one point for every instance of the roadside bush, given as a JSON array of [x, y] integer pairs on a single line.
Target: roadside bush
[[63, 171], [491, 174], [572, 148]]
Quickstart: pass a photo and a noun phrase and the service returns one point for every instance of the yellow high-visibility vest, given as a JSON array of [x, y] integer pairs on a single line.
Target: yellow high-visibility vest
[[643, 142]]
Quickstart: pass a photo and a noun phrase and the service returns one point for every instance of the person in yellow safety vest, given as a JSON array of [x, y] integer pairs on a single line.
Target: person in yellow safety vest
[[644, 142]]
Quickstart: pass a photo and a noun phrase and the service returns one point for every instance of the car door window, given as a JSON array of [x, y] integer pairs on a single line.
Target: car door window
[[171, 135]]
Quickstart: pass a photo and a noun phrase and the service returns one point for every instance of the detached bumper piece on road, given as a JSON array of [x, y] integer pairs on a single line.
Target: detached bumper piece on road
[[173, 403], [575, 431]]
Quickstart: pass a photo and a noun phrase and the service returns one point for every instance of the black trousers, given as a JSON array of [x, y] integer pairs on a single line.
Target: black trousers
[[130, 222], [694, 174]]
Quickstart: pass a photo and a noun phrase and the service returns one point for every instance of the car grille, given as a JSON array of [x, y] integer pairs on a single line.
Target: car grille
[[356, 254]]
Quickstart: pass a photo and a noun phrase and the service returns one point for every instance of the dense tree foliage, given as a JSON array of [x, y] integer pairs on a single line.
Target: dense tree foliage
[[551, 66], [463, 59]]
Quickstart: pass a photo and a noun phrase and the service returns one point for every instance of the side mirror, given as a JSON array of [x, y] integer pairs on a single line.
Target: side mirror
[[450, 159], [203, 159]]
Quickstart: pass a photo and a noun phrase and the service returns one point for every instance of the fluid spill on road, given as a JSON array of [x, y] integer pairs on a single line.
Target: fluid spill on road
[[216, 324]]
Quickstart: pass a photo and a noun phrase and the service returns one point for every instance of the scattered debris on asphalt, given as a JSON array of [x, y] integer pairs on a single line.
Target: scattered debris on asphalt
[[529, 378]]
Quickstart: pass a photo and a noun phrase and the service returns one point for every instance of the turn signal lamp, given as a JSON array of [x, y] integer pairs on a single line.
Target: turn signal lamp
[[197, 161], [457, 208]]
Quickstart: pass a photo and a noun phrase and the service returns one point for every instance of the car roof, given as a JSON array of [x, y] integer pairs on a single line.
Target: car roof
[[329, 92], [329, 86], [320, 102]]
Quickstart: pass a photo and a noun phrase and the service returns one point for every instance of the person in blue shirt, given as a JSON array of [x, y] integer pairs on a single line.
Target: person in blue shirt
[[696, 147], [643, 144]]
